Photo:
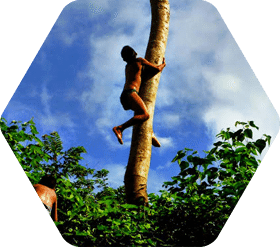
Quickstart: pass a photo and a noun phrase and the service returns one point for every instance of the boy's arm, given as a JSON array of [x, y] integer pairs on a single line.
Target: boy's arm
[[54, 211], [157, 67]]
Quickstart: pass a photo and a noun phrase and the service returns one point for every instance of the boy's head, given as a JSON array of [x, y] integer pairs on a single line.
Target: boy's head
[[128, 53], [48, 181]]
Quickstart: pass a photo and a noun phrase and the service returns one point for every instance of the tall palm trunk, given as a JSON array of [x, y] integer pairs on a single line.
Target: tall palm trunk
[[136, 175]]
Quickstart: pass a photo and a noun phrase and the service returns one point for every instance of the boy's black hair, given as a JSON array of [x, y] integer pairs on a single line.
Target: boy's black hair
[[128, 53], [49, 181]]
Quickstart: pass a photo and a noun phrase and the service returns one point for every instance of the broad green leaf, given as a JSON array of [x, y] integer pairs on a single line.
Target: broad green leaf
[[226, 145], [240, 150], [239, 144], [175, 178], [219, 143], [248, 133], [184, 165], [260, 144]]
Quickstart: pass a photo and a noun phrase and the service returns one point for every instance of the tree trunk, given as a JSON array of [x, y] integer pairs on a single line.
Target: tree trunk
[[136, 175]]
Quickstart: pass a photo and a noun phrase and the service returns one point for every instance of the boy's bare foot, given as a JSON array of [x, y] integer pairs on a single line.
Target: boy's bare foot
[[155, 141], [118, 134]]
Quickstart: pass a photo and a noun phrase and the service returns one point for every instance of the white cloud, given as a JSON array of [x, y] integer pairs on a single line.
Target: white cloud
[[78, 12], [116, 174], [222, 84], [45, 99], [167, 165], [95, 7], [62, 30], [54, 121], [169, 120], [50, 119], [155, 181], [164, 97], [166, 143], [215, 77], [126, 16]]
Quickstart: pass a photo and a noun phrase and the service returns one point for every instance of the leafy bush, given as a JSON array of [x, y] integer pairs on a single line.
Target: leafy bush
[[207, 189], [191, 211]]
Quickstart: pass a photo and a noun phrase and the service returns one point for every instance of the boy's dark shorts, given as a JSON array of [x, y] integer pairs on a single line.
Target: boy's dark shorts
[[124, 98]]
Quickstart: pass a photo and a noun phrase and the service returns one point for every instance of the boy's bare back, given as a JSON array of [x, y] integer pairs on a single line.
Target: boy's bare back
[[47, 195]]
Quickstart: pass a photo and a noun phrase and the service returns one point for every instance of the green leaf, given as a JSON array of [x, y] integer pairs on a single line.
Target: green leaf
[[227, 136], [268, 138], [213, 151], [83, 234], [238, 135], [219, 143], [260, 144], [176, 178], [184, 165], [129, 206], [151, 242], [251, 123], [191, 171], [213, 169], [239, 144], [212, 173], [165, 184], [252, 162], [33, 130], [248, 133], [101, 227], [190, 158], [240, 150], [226, 145], [239, 123], [179, 156]]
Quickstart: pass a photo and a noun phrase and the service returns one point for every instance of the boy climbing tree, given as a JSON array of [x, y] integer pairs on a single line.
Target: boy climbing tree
[[130, 99]]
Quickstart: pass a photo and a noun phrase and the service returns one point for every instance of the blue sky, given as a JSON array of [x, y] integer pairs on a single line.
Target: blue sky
[[74, 83]]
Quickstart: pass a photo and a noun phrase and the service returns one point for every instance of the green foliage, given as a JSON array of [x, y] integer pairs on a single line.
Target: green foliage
[[207, 189], [191, 211], [26, 146]]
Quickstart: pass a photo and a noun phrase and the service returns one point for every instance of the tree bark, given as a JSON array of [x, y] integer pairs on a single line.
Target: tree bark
[[137, 170]]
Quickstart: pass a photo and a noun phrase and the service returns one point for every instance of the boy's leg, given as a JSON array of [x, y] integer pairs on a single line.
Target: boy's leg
[[140, 111], [141, 115], [155, 141], [118, 134]]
